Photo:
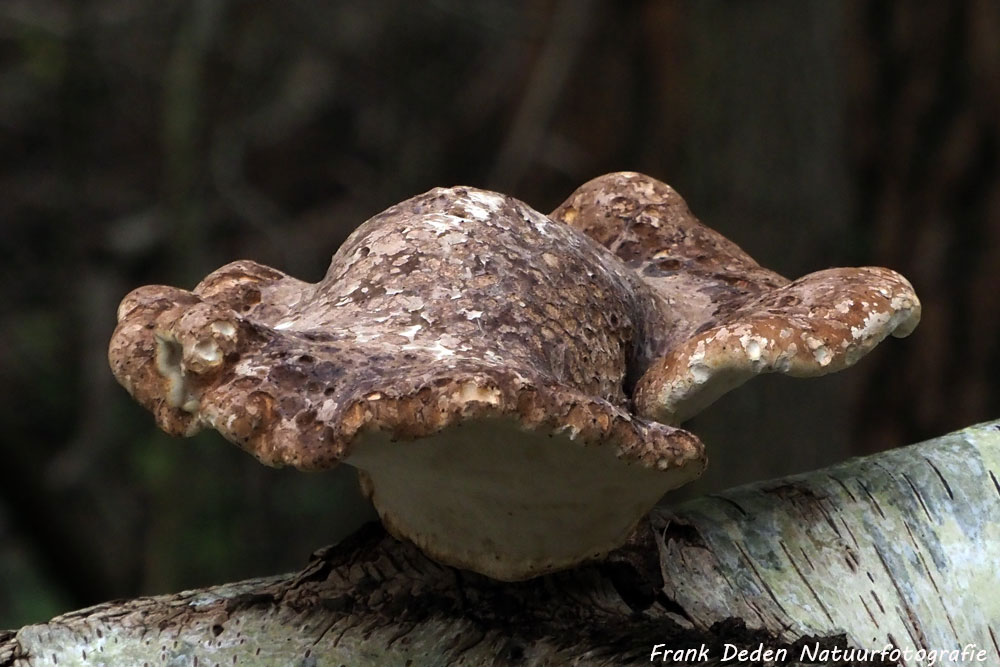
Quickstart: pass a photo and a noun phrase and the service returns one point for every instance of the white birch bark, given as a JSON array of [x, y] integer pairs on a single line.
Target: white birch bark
[[901, 548]]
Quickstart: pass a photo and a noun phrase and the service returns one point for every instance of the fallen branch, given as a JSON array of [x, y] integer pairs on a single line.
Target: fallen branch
[[895, 550]]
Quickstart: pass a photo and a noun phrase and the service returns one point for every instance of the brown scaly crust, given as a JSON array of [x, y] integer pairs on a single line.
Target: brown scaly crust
[[465, 307], [729, 318], [455, 305]]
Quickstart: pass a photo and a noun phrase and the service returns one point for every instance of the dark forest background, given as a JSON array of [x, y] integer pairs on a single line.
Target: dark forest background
[[151, 142]]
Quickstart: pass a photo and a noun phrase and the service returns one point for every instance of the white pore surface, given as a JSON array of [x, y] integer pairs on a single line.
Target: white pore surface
[[508, 503]]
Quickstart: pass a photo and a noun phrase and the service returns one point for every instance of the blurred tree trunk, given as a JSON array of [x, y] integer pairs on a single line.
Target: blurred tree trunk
[[877, 553], [925, 129], [748, 97]]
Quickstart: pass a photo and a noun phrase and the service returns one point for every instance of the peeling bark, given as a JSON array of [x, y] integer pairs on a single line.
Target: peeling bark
[[894, 549], [897, 548]]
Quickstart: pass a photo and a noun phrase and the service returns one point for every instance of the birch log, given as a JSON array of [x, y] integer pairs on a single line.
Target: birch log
[[899, 550]]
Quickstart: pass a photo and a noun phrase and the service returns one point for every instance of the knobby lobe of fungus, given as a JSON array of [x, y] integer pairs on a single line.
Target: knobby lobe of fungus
[[507, 384]]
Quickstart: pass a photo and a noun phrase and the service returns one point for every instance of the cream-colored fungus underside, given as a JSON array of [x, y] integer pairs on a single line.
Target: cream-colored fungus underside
[[506, 502]]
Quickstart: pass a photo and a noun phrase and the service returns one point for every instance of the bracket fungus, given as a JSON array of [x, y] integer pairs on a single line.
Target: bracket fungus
[[508, 384]]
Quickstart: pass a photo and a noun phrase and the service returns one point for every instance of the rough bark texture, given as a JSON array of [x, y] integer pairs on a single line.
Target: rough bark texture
[[893, 549]]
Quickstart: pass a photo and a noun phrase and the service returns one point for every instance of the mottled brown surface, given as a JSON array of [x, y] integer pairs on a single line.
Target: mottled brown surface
[[456, 304], [699, 274], [462, 304], [729, 318]]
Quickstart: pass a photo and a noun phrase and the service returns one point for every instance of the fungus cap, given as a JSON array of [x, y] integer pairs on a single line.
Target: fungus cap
[[466, 353], [728, 319], [507, 384]]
